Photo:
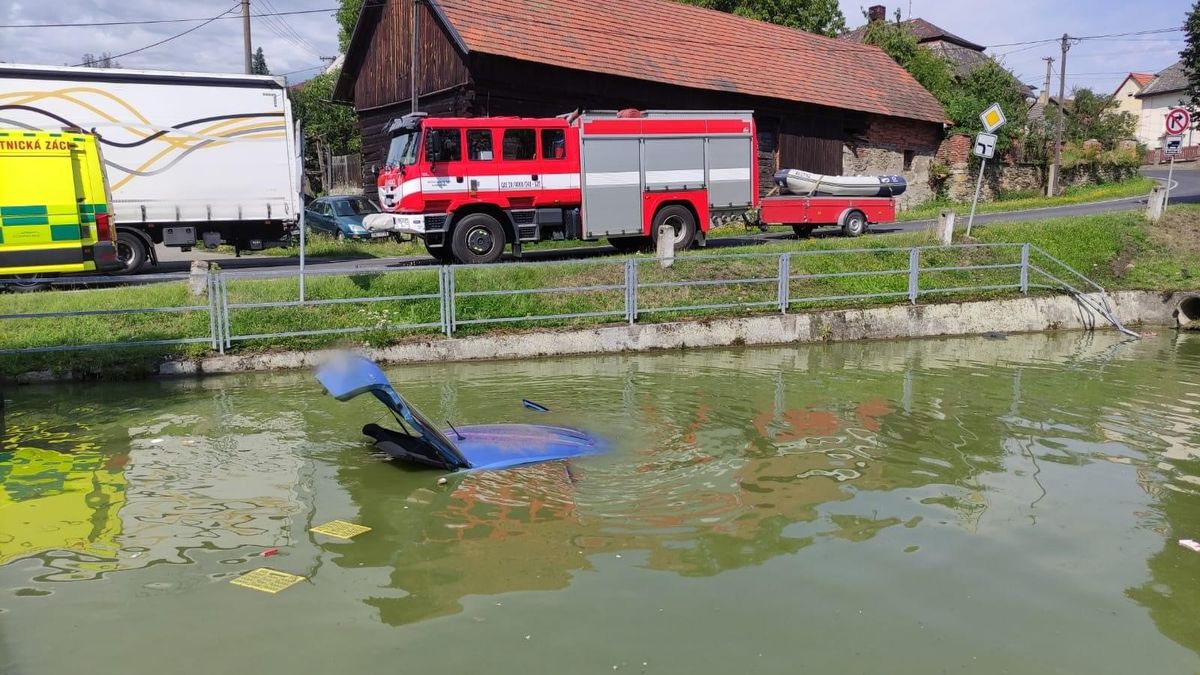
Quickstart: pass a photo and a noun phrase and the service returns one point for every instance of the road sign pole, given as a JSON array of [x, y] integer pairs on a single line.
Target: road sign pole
[[978, 188], [1170, 174]]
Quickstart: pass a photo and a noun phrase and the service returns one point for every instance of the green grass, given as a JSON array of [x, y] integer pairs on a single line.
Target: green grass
[[1019, 201], [1117, 250]]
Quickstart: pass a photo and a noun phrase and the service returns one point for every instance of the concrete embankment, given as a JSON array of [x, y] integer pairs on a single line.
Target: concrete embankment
[[1019, 315]]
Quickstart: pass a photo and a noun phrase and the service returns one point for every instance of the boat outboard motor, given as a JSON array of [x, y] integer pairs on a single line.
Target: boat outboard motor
[[487, 446]]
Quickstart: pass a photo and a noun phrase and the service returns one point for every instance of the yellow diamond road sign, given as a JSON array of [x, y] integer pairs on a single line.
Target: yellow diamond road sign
[[992, 118]]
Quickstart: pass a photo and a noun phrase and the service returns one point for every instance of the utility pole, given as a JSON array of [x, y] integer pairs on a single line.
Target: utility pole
[[246, 35], [412, 65], [1044, 97], [1055, 168]]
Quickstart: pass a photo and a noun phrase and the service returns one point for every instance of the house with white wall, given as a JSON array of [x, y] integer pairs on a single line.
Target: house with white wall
[[1167, 90], [1125, 98]]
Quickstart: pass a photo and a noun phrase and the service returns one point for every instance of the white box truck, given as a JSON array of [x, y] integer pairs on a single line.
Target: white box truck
[[192, 158]]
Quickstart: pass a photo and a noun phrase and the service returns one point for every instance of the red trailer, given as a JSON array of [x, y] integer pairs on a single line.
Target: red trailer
[[469, 187]]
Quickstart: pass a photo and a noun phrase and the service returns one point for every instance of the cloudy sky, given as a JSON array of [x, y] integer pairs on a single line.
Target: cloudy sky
[[293, 44]]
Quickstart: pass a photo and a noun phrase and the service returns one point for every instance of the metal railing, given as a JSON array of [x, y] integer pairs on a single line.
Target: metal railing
[[250, 306]]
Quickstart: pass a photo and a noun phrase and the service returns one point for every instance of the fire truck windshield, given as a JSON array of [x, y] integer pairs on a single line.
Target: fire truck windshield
[[403, 151]]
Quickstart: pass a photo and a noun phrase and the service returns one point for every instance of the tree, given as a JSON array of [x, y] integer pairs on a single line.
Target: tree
[[962, 98], [347, 16], [329, 128], [105, 60], [1191, 56], [930, 69], [1095, 116], [258, 63], [823, 17]]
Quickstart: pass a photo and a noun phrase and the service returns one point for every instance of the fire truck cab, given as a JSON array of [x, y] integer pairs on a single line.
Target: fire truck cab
[[469, 187]]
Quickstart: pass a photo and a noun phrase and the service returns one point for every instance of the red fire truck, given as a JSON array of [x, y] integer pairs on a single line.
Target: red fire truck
[[470, 186]]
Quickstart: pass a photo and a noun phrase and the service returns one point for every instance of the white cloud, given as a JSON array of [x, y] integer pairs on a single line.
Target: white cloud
[[216, 47]]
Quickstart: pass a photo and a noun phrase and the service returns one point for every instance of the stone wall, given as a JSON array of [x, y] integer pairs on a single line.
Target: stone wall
[[1001, 177], [896, 147]]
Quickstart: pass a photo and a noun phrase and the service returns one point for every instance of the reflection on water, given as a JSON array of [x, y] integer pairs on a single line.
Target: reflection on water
[[1022, 487]]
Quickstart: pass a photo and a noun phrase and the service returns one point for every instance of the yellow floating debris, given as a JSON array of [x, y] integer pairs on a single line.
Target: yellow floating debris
[[266, 580], [340, 529]]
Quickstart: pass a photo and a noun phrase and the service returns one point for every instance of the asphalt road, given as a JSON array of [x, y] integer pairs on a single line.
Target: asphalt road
[[1186, 189]]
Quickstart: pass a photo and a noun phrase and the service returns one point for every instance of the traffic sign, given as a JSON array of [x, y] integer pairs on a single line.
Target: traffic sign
[[992, 118], [1172, 145], [1178, 120], [985, 146]]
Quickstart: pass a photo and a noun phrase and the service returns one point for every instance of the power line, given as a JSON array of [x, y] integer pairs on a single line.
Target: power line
[[280, 27], [1153, 31], [145, 22], [165, 40]]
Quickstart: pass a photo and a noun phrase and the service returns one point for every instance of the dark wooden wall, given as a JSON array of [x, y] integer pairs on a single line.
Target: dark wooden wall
[[384, 77], [791, 135]]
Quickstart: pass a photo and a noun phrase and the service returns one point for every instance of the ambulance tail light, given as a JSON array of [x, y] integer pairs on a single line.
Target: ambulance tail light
[[104, 228]]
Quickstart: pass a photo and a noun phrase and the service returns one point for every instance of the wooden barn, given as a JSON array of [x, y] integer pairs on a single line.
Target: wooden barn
[[821, 104]]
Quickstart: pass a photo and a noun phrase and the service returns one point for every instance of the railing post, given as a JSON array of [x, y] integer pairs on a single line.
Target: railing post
[[444, 305], [785, 281], [451, 308], [914, 274], [212, 312], [1025, 269], [227, 332], [631, 281]]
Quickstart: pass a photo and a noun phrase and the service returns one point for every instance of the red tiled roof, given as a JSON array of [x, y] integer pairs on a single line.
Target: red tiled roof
[[667, 41], [1142, 79]]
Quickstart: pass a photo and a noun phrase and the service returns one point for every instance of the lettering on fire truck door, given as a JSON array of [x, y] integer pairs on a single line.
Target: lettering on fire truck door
[[612, 186], [521, 178]]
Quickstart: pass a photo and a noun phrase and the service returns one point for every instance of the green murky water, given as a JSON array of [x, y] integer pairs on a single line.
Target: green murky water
[[911, 507]]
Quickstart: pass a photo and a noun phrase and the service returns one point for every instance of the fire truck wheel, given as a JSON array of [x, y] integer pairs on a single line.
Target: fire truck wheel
[[803, 231], [478, 238], [679, 218], [442, 254], [855, 225], [131, 251]]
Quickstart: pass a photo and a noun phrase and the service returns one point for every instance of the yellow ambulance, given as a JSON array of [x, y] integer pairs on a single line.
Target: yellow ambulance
[[55, 208]]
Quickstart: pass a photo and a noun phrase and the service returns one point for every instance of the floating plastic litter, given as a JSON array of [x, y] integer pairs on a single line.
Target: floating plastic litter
[[340, 529], [267, 580]]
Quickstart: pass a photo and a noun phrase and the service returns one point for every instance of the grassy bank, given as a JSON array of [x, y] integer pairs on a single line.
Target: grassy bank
[[1117, 250], [1019, 201]]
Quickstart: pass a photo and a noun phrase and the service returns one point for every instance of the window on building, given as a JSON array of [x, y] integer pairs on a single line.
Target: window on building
[[520, 144], [908, 159], [479, 145], [554, 144], [443, 145]]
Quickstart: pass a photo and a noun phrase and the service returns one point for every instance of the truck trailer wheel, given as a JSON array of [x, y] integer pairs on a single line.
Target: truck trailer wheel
[[478, 238], [131, 251], [855, 224], [679, 218]]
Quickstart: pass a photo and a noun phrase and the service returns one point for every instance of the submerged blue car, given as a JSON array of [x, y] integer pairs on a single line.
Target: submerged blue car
[[469, 447]]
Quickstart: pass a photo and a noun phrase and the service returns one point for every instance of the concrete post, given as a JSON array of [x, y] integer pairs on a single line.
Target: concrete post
[[1156, 205], [666, 246], [198, 278], [945, 227]]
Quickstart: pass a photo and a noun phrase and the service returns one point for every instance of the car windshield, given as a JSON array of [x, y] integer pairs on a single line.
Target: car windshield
[[403, 150], [354, 207]]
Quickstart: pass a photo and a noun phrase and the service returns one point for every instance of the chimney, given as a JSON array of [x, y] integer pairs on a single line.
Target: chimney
[[876, 13]]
